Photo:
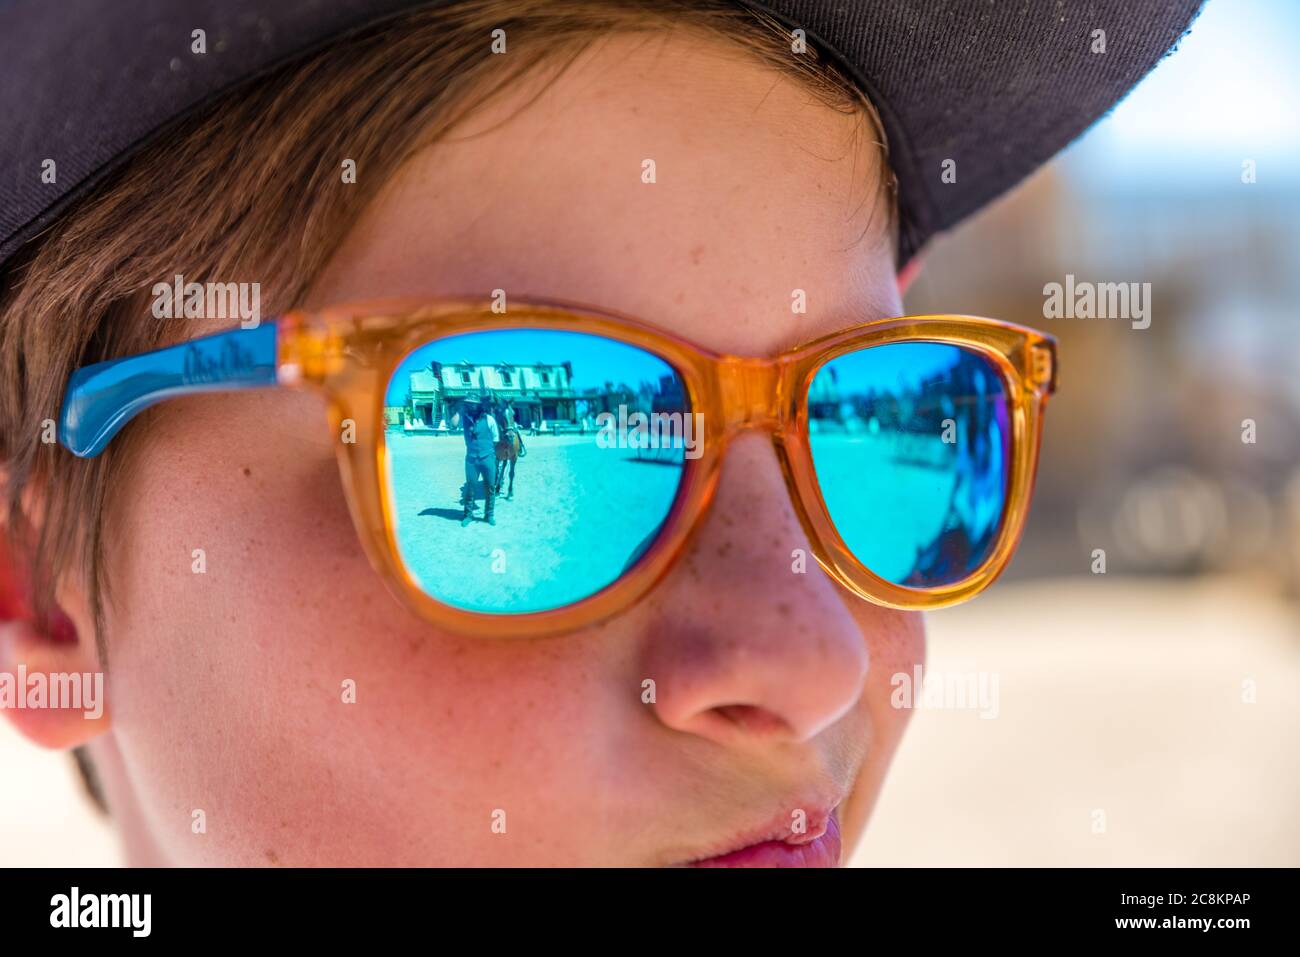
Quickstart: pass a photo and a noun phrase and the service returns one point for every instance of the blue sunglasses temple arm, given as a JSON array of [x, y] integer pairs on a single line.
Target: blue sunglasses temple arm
[[103, 397]]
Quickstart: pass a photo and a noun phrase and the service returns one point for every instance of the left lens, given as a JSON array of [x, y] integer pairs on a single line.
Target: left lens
[[911, 444], [574, 444]]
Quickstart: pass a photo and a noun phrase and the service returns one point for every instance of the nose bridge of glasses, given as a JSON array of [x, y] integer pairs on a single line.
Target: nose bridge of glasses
[[749, 393]]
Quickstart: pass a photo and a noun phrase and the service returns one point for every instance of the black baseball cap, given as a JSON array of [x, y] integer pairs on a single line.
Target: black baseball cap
[[997, 86]]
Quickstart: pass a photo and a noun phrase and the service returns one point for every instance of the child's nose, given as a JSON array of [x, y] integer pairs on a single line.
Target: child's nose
[[752, 641]]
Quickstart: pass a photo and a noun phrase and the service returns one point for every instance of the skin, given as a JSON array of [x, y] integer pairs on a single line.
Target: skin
[[772, 687]]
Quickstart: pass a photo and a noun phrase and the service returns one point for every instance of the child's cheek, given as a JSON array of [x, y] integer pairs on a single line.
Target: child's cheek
[[274, 704], [897, 644]]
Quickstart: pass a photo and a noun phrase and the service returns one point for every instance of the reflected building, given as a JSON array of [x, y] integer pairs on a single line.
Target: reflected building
[[542, 395], [664, 396], [541, 392]]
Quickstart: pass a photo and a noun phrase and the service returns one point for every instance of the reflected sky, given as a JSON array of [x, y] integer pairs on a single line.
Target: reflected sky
[[1228, 93]]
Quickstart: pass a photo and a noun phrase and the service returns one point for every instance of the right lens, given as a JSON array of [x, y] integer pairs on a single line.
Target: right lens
[[577, 429]]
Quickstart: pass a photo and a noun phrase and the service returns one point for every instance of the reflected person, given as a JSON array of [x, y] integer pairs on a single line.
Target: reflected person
[[481, 437]]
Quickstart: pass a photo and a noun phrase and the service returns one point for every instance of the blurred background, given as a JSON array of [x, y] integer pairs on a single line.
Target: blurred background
[[1150, 714]]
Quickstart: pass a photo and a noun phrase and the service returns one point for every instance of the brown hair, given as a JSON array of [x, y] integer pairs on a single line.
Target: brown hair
[[208, 199]]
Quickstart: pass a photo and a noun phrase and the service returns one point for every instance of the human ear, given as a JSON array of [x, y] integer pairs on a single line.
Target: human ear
[[907, 274], [51, 686]]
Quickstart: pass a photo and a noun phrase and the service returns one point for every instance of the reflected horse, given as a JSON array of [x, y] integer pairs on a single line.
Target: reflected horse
[[509, 451]]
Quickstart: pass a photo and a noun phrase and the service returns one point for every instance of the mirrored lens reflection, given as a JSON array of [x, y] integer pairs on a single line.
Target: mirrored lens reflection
[[911, 446], [527, 469]]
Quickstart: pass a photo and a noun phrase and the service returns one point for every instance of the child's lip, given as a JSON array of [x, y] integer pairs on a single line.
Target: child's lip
[[777, 847]]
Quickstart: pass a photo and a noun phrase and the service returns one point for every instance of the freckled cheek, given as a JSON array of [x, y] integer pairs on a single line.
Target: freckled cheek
[[260, 652], [241, 604], [233, 681]]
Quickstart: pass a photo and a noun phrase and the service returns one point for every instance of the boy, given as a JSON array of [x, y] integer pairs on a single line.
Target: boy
[[686, 688]]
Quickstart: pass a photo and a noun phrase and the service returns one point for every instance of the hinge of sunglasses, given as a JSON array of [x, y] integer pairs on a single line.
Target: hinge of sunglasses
[[1042, 367], [308, 352]]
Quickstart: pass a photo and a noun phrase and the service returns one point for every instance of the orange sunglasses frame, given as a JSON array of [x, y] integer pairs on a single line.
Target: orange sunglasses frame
[[348, 353]]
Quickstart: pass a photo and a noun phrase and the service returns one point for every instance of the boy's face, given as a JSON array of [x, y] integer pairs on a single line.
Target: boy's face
[[772, 688]]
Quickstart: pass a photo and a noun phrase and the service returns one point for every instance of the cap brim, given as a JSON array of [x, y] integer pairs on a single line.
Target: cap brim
[[994, 87]]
